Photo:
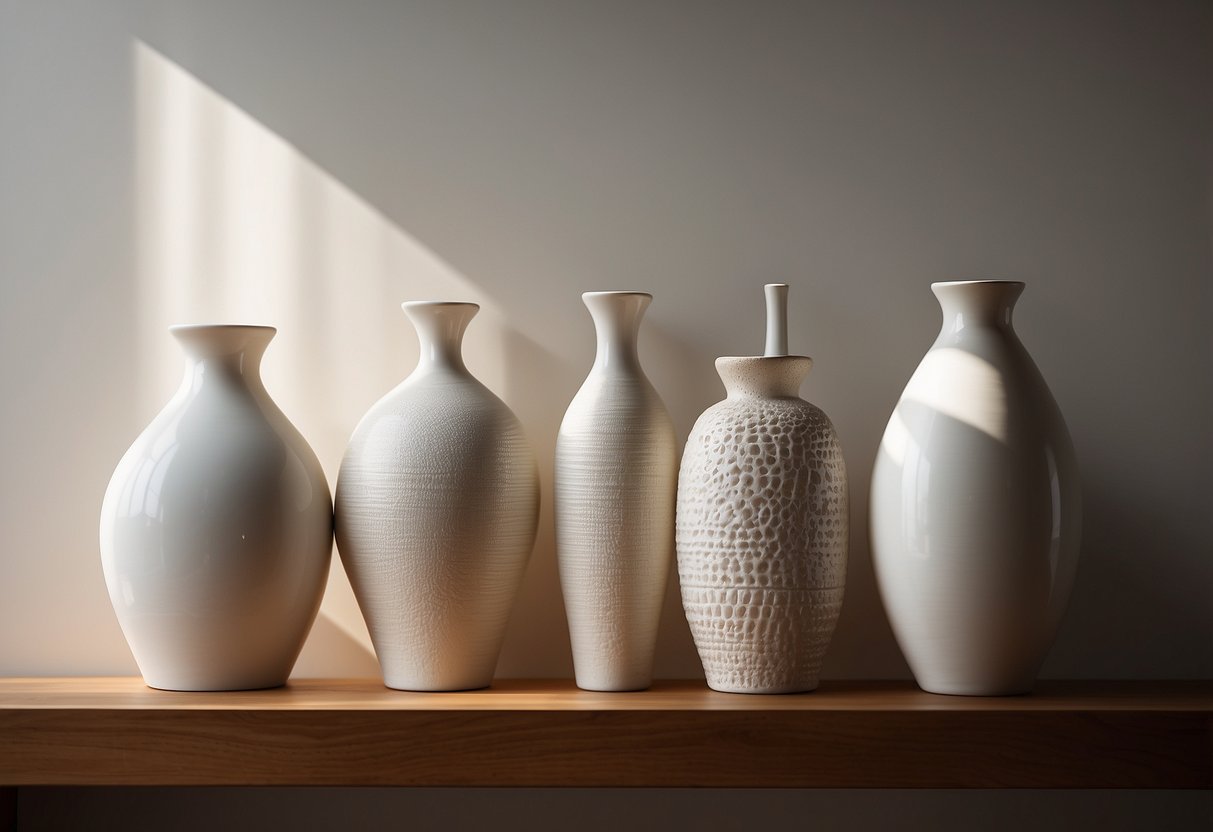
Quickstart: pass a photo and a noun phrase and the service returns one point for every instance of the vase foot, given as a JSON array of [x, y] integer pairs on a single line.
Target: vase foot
[[764, 691]]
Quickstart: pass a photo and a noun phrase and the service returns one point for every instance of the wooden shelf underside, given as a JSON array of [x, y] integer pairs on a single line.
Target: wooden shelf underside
[[116, 731]]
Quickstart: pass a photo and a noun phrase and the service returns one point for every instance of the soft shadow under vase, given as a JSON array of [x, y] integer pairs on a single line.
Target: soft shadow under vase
[[975, 510], [216, 529]]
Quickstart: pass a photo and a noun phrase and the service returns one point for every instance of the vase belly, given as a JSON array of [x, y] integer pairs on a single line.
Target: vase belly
[[975, 506], [615, 486], [762, 542]]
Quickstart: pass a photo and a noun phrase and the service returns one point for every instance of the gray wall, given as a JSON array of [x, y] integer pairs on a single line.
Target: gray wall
[[311, 164]]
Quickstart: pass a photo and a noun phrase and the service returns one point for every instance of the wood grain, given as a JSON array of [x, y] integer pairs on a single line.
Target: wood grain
[[92, 731]]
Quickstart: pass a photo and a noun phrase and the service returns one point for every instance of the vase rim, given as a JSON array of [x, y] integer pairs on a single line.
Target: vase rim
[[778, 376], [946, 283], [426, 304], [223, 328], [735, 358], [608, 292]]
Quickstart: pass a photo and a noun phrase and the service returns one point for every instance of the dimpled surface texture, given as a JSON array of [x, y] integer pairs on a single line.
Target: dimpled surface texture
[[762, 528]]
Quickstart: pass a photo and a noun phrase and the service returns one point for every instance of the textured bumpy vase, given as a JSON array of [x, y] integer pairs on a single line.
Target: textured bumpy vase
[[762, 524], [437, 508], [217, 527], [975, 504], [616, 473]]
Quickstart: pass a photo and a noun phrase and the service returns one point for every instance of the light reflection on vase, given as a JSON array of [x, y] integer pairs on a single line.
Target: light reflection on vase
[[975, 506], [216, 528]]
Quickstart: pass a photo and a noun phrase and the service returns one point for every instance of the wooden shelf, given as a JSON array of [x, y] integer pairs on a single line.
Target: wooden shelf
[[95, 731]]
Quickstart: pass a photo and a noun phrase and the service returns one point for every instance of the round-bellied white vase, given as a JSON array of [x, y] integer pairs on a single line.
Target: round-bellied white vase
[[437, 506], [762, 524], [217, 526], [975, 510], [616, 475]]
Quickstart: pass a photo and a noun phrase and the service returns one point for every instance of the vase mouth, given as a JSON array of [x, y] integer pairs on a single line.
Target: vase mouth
[[204, 328], [768, 376], [977, 302], [756, 358], [438, 304], [603, 293], [617, 315], [440, 325], [204, 341], [943, 284]]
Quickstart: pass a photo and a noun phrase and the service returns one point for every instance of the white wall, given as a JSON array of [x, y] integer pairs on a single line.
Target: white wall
[[311, 164]]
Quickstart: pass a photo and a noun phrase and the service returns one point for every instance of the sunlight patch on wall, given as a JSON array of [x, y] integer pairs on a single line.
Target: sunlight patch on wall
[[235, 225]]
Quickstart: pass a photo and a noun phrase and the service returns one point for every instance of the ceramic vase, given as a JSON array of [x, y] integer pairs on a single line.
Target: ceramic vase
[[616, 474], [762, 524], [975, 506], [437, 506], [217, 526]]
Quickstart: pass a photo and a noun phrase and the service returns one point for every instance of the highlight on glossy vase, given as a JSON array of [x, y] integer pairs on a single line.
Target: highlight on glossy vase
[[216, 528], [437, 507], [975, 505]]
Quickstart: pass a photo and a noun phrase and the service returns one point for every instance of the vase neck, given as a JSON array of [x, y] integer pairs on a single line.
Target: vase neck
[[223, 349], [440, 326], [768, 377], [617, 317], [977, 303]]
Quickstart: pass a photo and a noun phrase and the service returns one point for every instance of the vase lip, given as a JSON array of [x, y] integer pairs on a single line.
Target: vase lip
[[430, 304], [944, 284], [763, 375], [757, 358], [600, 293], [188, 328], [243, 342]]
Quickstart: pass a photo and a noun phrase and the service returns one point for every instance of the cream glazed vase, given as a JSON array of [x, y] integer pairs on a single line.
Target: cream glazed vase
[[616, 475], [217, 527], [762, 524], [437, 507], [975, 509]]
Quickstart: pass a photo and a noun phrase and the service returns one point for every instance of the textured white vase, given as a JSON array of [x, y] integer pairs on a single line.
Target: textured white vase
[[437, 506], [217, 526], [616, 474], [975, 509], [762, 524]]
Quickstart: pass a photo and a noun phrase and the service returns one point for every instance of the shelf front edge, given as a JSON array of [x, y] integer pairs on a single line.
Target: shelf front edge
[[1112, 742]]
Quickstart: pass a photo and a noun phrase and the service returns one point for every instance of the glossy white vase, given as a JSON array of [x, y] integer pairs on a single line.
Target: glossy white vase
[[437, 506], [975, 509], [616, 475], [217, 526], [762, 526]]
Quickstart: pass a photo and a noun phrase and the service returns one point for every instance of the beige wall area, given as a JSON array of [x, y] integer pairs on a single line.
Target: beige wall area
[[311, 164]]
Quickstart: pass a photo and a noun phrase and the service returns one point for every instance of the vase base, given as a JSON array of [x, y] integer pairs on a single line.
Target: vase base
[[454, 688], [975, 690], [614, 688], [764, 691], [181, 687]]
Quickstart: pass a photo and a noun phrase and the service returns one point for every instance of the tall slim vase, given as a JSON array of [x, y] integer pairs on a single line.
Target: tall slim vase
[[975, 507], [616, 472], [217, 526], [762, 523], [437, 506]]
